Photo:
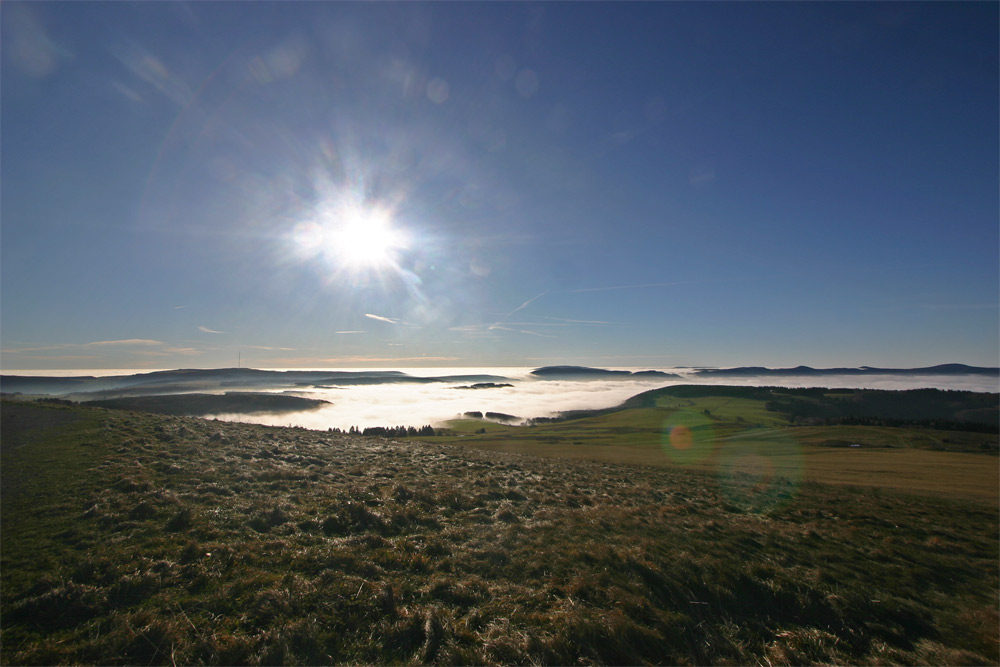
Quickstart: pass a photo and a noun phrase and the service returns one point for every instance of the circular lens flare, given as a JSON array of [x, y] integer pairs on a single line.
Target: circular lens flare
[[761, 475], [681, 437], [687, 436]]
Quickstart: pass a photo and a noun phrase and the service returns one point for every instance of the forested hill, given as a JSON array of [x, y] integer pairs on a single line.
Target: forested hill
[[926, 407]]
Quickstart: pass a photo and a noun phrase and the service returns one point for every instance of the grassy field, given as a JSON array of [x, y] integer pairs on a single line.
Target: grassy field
[[138, 539], [732, 435]]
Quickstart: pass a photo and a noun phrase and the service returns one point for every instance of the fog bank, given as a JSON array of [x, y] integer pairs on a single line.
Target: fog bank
[[417, 405]]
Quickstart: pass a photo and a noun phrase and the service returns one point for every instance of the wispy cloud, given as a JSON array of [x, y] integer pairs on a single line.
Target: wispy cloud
[[210, 331], [372, 360], [349, 332], [127, 341], [127, 92], [523, 331], [71, 346], [151, 69], [381, 319], [569, 321], [186, 351], [526, 304], [50, 357]]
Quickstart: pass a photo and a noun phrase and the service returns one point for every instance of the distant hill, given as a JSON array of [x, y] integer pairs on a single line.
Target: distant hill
[[937, 408], [584, 373], [941, 369], [196, 405], [202, 380]]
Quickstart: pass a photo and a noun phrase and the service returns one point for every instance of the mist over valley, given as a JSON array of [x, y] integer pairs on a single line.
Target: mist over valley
[[322, 399]]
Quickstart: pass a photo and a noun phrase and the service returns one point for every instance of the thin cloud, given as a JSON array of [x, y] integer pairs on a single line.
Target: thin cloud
[[475, 331], [523, 331], [37, 348], [55, 357], [348, 332], [381, 319], [569, 321], [526, 304], [71, 346], [154, 72], [127, 92], [357, 360], [209, 331], [127, 341]]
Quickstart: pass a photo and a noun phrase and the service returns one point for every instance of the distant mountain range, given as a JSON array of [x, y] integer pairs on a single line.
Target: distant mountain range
[[184, 381], [942, 369], [583, 372]]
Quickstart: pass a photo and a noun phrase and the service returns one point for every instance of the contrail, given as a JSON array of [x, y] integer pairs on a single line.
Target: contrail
[[525, 304], [382, 319]]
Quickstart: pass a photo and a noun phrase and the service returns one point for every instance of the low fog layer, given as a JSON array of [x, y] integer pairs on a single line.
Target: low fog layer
[[417, 405]]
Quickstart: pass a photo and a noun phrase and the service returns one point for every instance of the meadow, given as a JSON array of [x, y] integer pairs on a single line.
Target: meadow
[[689, 531], [731, 431]]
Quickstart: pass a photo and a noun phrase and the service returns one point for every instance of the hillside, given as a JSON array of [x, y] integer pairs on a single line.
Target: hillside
[[883, 439], [140, 539], [195, 404], [940, 369], [963, 410]]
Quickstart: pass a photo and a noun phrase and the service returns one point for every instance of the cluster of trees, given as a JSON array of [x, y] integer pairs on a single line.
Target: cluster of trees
[[387, 431]]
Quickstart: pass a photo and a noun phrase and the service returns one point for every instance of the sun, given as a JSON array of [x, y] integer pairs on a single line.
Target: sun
[[364, 237], [353, 236]]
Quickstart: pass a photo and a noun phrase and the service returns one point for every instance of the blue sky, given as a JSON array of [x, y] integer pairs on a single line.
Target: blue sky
[[613, 184]]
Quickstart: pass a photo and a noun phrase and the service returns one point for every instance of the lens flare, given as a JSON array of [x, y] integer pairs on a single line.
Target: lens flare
[[762, 474], [681, 438], [687, 436]]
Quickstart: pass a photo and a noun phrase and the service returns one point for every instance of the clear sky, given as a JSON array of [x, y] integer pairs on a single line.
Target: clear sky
[[612, 184]]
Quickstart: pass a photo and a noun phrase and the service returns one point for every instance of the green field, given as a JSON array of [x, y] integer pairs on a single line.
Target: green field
[[731, 435], [129, 538]]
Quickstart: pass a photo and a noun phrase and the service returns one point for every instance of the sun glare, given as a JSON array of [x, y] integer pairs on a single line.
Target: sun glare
[[353, 236], [366, 238]]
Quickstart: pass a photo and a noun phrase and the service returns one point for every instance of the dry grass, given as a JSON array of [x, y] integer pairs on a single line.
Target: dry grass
[[133, 539]]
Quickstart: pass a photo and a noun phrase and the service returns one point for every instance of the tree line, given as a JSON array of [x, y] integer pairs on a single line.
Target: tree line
[[387, 431]]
